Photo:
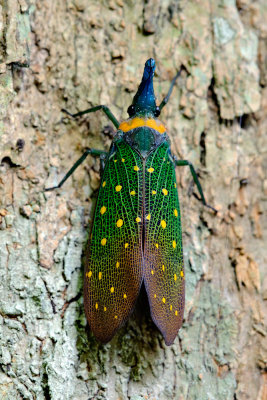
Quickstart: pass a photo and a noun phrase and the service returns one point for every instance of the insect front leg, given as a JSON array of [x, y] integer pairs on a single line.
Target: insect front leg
[[105, 109], [93, 152], [166, 99], [181, 163]]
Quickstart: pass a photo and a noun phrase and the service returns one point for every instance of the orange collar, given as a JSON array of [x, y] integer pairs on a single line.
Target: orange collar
[[138, 122]]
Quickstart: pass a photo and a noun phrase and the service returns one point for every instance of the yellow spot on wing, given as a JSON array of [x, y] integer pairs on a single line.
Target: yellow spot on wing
[[117, 264], [122, 160], [116, 316], [152, 272], [104, 184], [174, 185], [118, 188], [137, 122], [175, 277], [126, 245], [175, 212], [155, 295], [125, 296], [100, 275], [103, 241], [174, 244], [138, 219], [132, 193], [163, 268], [170, 307], [136, 168], [103, 210], [105, 308], [148, 217], [96, 306], [165, 192], [176, 312], [182, 273], [115, 160], [89, 274], [119, 223], [151, 170], [157, 246], [163, 300], [163, 224], [154, 192], [112, 289]]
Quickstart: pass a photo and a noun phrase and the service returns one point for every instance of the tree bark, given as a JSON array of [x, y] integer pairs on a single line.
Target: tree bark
[[82, 53]]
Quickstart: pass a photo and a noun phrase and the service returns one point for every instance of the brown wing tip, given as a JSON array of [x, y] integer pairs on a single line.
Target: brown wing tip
[[105, 330], [169, 338], [104, 333], [102, 338], [168, 329]]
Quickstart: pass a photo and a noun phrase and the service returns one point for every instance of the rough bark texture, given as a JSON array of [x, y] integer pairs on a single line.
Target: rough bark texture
[[83, 53]]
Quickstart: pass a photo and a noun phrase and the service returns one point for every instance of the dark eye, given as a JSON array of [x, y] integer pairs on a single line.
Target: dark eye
[[131, 110], [157, 112]]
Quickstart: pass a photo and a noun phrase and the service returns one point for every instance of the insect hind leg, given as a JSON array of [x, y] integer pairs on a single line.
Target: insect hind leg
[[180, 163]]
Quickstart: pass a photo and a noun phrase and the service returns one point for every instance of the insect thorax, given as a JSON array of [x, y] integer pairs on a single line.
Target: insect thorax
[[144, 135]]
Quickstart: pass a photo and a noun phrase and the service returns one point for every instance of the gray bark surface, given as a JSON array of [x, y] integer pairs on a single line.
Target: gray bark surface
[[74, 54]]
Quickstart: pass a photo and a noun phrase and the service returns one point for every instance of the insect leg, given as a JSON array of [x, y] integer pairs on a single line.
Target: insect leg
[[106, 110], [180, 163], [93, 152], [166, 99], [102, 163]]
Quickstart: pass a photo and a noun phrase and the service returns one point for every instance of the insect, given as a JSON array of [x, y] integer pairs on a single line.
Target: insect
[[136, 236]]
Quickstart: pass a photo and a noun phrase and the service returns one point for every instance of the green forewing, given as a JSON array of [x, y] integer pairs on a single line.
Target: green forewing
[[163, 272], [137, 206], [113, 273]]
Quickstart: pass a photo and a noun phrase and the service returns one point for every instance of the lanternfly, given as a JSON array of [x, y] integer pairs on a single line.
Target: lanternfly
[[136, 236]]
